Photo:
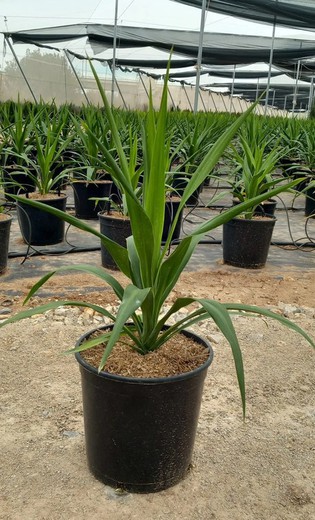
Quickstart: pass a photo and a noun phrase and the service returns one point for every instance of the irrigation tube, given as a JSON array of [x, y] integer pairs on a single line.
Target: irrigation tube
[[90, 249]]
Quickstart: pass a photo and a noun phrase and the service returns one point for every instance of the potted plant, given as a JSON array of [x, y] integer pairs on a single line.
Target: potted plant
[[140, 426], [195, 137], [17, 144], [289, 134], [38, 227], [5, 225], [306, 153], [246, 237], [90, 181]]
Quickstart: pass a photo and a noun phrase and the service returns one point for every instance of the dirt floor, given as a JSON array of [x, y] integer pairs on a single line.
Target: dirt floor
[[262, 468]]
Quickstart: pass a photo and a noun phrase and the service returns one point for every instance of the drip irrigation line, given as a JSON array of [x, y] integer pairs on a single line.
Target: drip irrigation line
[[33, 251], [209, 240], [60, 251]]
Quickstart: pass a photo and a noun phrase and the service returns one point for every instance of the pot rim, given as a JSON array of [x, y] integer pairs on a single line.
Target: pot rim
[[60, 196], [147, 380], [256, 218], [7, 215]]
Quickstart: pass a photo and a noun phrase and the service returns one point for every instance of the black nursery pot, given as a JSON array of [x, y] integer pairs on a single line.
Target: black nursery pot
[[84, 191], [171, 207], [16, 182], [118, 230], [5, 225], [310, 202], [38, 227], [266, 208], [246, 241], [179, 185], [140, 433]]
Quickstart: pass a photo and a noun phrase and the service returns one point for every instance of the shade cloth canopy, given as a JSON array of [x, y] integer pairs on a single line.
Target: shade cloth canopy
[[299, 14], [218, 49]]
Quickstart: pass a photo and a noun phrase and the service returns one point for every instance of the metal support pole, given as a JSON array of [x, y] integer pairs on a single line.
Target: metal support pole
[[222, 97], [20, 68], [199, 56], [214, 103], [145, 88], [202, 101], [270, 62], [232, 89], [76, 75], [296, 86], [187, 97], [114, 53], [117, 85], [311, 95], [239, 102], [120, 93], [257, 90], [172, 99]]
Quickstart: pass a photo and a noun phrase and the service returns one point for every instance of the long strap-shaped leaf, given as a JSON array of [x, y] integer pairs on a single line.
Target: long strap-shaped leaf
[[251, 310], [90, 269], [221, 317], [54, 305], [239, 208], [132, 300], [147, 241]]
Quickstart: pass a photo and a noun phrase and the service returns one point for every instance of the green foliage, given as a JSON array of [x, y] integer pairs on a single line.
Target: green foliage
[[253, 162], [306, 146]]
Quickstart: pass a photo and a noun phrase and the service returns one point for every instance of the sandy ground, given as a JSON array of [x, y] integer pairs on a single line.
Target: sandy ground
[[260, 469]]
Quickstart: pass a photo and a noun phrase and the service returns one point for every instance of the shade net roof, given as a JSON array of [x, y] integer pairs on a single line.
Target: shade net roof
[[218, 49], [299, 14], [220, 52]]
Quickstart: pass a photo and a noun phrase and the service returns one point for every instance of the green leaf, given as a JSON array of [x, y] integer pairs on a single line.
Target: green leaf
[[90, 269], [252, 309], [172, 268], [41, 309], [239, 208], [221, 317], [132, 300]]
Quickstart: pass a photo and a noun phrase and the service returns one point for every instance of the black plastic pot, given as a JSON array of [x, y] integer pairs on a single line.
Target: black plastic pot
[[266, 208], [118, 230], [289, 165], [140, 433], [171, 207], [310, 202], [179, 184], [38, 227], [246, 242], [16, 182], [299, 173], [5, 225], [84, 191]]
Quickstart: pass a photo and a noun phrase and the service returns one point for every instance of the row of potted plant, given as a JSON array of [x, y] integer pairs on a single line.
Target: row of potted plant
[[252, 173]]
